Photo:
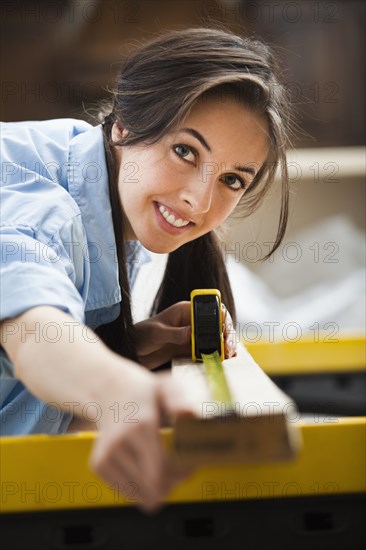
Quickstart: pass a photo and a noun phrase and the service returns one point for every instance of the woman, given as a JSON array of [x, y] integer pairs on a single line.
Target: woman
[[197, 128]]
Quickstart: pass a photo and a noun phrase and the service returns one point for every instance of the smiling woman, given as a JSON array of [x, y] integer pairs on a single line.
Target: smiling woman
[[196, 129], [203, 120]]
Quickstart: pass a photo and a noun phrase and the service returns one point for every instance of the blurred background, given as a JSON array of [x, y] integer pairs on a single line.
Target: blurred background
[[59, 57]]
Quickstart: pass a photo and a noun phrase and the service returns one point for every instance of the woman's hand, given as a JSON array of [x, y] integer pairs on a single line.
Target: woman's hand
[[168, 334], [165, 335], [128, 453]]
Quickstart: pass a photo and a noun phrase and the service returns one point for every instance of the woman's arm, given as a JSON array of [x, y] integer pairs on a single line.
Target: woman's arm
[[69, 368], [78, 368]]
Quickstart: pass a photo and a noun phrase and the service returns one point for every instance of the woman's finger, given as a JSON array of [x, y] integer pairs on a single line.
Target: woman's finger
[[150, 457], [117, 478], [145, 474], [229, 333], [176, 335], [161, 334], [163, 355], [177, 315], [174, 398]]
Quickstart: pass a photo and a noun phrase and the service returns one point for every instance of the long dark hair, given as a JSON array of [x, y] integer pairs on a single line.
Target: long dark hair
[[157, 87]]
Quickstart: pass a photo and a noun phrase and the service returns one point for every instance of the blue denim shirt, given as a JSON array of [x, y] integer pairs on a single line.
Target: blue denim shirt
[[57, 244]]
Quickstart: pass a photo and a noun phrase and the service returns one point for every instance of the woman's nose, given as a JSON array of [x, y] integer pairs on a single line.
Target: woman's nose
[[198, 192]]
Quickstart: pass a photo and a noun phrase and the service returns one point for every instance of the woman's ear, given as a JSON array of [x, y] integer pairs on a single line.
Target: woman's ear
[[117, 132]]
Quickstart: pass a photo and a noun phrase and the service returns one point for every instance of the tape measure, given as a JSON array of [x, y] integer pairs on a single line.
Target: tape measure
[[208, 342], [216, 380], [207, 323]]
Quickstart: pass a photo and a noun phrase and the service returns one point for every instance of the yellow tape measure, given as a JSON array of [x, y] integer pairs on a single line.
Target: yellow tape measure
[[207, 323], [216, 380], [208, 342]]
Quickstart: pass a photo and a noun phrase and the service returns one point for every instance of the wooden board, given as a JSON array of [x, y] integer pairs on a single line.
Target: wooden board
[[263, 428]]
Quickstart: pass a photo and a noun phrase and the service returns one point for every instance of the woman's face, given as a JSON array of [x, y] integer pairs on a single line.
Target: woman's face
[[189, 182]]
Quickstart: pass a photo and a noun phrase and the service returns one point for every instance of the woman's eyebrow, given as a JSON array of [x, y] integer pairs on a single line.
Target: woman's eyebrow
[[246, 169], [201, 139], [198, 136]]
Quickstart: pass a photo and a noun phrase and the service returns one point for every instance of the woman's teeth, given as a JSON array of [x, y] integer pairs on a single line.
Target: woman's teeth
[[170, 218]]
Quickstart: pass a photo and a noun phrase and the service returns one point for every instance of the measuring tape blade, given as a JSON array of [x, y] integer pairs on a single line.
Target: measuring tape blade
[[216, 380]]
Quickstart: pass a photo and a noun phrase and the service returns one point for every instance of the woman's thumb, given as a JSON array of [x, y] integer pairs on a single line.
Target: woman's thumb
[[186, 334], [178, 335], [174, 398]]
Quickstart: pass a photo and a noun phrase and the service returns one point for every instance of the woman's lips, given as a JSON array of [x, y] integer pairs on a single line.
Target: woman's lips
[[166, 226], [176, 213]]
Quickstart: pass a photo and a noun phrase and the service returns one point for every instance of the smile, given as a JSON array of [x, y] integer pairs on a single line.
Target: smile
[[169, 222], [170, 218]]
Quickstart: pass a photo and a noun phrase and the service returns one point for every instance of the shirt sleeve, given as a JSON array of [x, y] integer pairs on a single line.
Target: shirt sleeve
[[35, 273]]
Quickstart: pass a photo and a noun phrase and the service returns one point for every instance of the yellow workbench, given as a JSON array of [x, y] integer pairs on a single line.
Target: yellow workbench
[[325, 377], [50, 498]]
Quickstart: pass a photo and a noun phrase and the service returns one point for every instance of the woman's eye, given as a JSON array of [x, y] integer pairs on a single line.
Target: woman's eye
[[234, 182], [184, 152]]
